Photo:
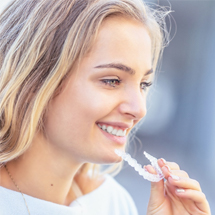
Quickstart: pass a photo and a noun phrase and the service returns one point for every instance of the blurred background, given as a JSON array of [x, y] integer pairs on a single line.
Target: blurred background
[[180, 123]]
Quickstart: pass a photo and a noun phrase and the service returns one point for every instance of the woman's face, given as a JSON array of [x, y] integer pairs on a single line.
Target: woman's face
[[105, 96]]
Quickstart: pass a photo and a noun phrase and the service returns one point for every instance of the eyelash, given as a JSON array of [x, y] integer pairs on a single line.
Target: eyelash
[[112, 83], [145, 85], [108, 82]]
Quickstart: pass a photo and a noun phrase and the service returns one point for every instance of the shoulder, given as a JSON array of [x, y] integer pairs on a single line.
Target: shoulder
[[110, 197], [7, 199], [117, 191]]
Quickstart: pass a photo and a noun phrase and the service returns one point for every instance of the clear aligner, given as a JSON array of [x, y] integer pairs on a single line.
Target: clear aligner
[[146, 175]]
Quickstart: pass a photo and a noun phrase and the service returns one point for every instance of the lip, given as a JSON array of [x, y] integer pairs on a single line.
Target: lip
[[117, 139]]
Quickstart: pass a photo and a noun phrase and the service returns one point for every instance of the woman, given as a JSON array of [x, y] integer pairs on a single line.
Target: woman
[[74, 80]]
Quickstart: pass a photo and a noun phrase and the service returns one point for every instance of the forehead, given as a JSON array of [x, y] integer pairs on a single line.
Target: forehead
[[123, 39]]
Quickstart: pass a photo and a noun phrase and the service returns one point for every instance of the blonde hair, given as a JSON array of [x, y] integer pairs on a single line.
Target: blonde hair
[[40, 43]]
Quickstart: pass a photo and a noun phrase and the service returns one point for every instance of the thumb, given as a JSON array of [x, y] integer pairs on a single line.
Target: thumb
[[157, 191]]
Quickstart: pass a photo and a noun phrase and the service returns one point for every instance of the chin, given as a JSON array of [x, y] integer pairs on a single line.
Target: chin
[[108, 159]]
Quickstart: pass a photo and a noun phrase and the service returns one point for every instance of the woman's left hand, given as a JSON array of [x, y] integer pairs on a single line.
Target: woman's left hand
[[178, 195]]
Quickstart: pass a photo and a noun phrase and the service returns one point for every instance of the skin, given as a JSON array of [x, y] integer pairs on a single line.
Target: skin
[[71, 122], [166, 200]]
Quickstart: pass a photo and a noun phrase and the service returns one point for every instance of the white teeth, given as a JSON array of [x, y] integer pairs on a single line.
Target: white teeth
[[109, 129], [114, 131], [119, 133], [124, 132]]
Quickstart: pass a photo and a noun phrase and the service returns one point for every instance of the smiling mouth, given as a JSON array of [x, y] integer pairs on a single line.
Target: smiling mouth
[[114, 131]]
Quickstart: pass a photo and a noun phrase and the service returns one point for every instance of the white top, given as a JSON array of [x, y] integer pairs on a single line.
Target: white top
[[108, 199]]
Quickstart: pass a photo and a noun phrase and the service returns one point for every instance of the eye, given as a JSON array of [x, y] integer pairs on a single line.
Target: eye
[[145, 85], [111, 82]]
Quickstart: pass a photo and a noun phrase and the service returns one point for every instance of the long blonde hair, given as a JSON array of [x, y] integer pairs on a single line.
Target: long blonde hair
[[40, 43]]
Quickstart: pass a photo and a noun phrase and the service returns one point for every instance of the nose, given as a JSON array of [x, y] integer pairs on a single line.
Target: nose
[[133, 104]]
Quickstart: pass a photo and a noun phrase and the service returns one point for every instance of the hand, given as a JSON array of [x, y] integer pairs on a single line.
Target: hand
[[178, 195]]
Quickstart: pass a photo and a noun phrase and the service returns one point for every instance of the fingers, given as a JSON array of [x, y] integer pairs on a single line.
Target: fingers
[[184, 203], [157, 188], [185, 183], [173, 166], [180, 178], [197, 197], [179, 189], [150, 169], [190, 191], [185, 188], [167, 171]]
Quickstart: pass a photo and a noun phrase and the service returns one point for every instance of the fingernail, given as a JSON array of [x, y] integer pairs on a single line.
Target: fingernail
[[144, 167], [168, 168], [163, 160], [180, 190], [175, 177]]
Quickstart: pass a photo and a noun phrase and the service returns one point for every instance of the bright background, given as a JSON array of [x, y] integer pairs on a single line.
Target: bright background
[[3, 3], [180, 124]]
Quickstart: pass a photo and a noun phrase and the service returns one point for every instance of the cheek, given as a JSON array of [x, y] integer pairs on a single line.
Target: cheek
[[94, 102], [72, 115]]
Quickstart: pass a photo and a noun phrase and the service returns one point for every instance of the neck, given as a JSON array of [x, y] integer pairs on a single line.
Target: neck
[[43, 172]]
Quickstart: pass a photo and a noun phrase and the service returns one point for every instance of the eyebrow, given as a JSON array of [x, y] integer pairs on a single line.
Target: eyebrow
[[122, 67]]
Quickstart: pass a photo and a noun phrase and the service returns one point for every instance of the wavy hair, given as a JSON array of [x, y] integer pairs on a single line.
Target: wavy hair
[[40, 43]]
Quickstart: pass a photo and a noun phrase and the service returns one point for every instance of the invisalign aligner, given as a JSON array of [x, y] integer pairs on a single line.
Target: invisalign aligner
[[146, 175]]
